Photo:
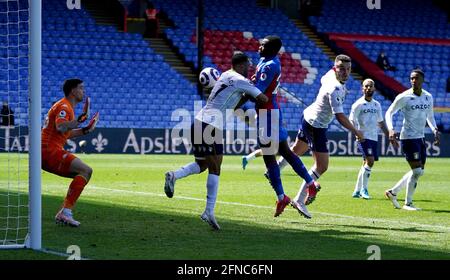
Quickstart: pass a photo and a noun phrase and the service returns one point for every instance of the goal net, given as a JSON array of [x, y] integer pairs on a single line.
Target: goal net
[[18, 128]]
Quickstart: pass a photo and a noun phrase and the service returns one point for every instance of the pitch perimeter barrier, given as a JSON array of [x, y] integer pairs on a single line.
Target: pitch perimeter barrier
[[159, 141]]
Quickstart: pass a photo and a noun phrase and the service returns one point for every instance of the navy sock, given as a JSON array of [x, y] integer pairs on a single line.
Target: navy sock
[[274, 175], [299, 167]]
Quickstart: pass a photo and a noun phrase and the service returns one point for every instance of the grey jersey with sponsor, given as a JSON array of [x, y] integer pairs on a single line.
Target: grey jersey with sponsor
[[226, 94], [328, 102]]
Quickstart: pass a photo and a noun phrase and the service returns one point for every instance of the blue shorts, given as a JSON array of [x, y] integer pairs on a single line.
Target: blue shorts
[[265, 131], [368, 148], [414, 149], [316, 138], [202, 148]]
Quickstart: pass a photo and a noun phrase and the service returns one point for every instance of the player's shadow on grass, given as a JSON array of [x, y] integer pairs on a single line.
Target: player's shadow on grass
[[380, 227], [436, 211], [159, 228], [401, 200]]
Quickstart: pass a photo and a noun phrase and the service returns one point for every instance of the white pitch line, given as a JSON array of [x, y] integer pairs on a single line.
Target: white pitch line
[[267, 207], [56, 253]]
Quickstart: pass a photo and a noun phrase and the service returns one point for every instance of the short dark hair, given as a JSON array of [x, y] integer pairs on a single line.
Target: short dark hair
[[273, 45], [238, 58], [70, 84], [343, 58], [418, 71]]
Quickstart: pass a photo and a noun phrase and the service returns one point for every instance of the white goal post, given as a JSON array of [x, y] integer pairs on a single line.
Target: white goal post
[[20, 88]]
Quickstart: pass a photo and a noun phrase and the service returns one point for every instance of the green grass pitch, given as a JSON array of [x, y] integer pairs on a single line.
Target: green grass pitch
[[126, 215]]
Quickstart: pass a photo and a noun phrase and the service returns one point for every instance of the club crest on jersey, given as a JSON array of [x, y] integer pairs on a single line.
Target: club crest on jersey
[[62, 114], [263, 76]]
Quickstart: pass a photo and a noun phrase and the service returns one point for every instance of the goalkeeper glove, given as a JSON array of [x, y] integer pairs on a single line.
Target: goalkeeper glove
[[83, 117], [91, 126]]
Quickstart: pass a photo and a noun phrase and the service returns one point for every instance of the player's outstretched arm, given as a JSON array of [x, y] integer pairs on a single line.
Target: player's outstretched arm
[[437, 137], [353, 115], [393, 138], [432, 124], [383, 127], [85, 114], [92, 124], [65, 126], [261, 99], [85, 130], [242, 102], [394, 108], [252, 92], [76, 133], [345, 122]]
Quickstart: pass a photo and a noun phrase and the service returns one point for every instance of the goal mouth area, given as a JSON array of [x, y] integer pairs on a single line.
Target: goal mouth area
[[14, 217], [20, 90]]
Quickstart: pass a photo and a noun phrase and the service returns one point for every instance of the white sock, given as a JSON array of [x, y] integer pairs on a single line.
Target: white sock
[[359, 182], [189, 169], [366, 174], [401, 184], [212, 185], [282, 162], [301, 195], [252, 155], [411, 184]]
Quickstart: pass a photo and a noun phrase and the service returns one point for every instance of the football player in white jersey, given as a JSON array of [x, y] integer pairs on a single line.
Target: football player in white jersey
[[315, 120], [207, 131], [367, 116], [417, 107]]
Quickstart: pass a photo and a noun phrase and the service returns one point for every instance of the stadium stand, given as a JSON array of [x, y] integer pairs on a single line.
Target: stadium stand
[[229, 27], [408, 56], [14, 58], [410, 42], [395, 18], [129, 84], [126, 79]]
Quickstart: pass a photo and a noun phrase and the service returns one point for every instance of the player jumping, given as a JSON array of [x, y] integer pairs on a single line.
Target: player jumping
[[272, 136], [208, 126], [315, 121]]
